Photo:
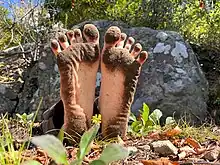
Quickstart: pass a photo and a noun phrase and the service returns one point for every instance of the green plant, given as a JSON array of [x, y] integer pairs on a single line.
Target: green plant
[[8, 153], [50, 144], [24, 118], [147, 122]]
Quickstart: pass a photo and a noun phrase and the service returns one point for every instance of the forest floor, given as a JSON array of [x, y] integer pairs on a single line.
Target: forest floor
[[179, 145]]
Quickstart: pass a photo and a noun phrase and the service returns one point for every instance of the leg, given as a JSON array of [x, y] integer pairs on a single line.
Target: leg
[[120, 69]]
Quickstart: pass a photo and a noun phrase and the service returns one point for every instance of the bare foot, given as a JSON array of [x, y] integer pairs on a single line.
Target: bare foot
[[78, 64], [120, 68]]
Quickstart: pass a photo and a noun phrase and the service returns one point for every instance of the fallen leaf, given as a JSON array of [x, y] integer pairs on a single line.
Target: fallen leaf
[[193, 143], [162, 161], [173, 132], [154, 135]]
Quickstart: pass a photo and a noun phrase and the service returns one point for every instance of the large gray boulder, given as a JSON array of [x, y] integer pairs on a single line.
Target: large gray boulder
[[171, 80]]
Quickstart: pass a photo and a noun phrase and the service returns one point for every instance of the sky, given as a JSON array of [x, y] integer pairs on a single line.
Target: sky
[[6, 3]]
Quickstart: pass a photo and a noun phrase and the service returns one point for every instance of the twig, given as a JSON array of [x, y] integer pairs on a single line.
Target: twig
[[15, 53]]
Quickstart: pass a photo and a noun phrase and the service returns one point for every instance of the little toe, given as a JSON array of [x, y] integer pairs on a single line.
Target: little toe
[[78, 35], [63, 40], [71, 37], [129, 43], [136, 50], [142, 57], [91, 33], [112, 37], [122, 40], [55, 46]]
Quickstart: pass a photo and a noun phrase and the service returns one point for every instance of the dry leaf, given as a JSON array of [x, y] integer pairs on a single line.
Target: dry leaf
[[173, 132], [193, 143], [162, 161], [154, 135]]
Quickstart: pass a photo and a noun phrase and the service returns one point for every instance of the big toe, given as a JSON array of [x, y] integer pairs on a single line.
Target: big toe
[[112, 36], [91, 33]]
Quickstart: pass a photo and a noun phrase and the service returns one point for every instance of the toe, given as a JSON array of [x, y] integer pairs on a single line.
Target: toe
[[78, 35], [70, 35], [142, 57], [63, 40], [122, 40], [112, 36], [129, 43], [136, 50], [91, 33], [55, 46]]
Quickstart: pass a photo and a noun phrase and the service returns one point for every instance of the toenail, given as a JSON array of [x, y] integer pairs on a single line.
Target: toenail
[[70, 34], [91, 31], [54, 44], [130, 40], [143, 55], [137, 48], [77, 32], [62, 38], [123, 36]]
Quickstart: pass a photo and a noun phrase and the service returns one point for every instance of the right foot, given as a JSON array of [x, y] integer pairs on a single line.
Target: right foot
[[120, 68], [78, 64]]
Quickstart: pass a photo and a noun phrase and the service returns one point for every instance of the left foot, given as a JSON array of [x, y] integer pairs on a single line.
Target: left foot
[[78, 64], [120, 68]]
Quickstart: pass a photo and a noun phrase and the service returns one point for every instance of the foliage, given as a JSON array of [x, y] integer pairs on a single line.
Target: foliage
[[147, 122], [24, 118], [196, 24], [5, 30], [23, 22], [8, 153], [50, 144]]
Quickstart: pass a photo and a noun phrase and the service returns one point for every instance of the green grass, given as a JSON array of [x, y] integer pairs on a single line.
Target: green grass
[[8, 154], [200, 133]]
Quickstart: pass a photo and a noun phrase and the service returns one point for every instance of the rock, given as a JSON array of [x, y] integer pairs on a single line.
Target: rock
[[213, 154], [164, 148], [171, 80], [132, 150]]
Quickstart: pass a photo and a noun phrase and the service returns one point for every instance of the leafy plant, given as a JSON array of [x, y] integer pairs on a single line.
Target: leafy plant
[[8, 153], [24, 118], [147, 122], [50, 144]]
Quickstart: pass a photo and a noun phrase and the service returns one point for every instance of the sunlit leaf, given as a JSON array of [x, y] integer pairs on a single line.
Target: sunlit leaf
[[155, 116], [52, 146], [114, 152], [86, 140], [31, 162]]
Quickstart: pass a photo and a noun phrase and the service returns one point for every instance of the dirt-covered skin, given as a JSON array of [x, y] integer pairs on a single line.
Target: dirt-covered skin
[[78, 64], [120, 68]]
